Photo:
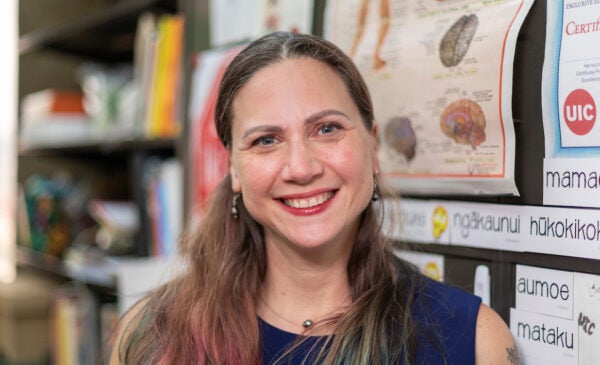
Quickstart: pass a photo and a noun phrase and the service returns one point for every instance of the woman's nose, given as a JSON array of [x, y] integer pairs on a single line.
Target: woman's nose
[[302, 164]]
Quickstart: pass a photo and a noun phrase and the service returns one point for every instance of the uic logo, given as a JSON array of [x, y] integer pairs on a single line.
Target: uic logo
[[579, 112]]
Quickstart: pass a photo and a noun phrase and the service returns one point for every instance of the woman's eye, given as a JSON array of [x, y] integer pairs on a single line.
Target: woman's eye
[[265, 141], [329, 128]]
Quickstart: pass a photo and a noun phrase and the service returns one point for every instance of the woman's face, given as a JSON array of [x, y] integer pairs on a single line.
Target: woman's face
[[301, 156]]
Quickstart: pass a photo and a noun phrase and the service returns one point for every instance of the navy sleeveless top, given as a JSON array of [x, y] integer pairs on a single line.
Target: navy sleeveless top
[[454, 311]]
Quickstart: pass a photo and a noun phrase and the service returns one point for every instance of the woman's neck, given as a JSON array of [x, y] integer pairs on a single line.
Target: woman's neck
[[297, 288]]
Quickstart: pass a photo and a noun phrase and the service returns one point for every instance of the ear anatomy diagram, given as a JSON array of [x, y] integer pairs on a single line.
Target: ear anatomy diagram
[[400, 135], [457, 39], [463, 121]]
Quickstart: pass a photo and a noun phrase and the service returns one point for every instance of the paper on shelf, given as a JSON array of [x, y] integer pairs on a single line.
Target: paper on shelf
[[137, 277], [236, 21], [119, 216]]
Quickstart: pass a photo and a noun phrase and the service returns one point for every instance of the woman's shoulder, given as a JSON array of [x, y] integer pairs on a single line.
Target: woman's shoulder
[[446, 300], [434, 302], [446, 317], [471, 332]]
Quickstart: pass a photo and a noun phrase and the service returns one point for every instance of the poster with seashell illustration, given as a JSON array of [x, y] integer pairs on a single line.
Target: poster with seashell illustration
[[440, 75]]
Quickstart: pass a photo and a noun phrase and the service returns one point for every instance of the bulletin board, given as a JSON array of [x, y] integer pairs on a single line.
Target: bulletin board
[[550, 247], [555, 246]]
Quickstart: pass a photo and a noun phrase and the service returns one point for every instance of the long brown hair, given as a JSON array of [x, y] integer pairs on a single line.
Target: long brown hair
[[207, 316]]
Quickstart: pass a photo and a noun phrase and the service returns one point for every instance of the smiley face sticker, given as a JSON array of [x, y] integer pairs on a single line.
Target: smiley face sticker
[[439, 220]]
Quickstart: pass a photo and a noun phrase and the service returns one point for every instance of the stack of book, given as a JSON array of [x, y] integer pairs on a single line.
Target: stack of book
[[164, 200], [158, 70]]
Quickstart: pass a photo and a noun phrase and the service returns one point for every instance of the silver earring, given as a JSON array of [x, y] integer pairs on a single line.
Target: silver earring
[[375, 196], [234, 203]]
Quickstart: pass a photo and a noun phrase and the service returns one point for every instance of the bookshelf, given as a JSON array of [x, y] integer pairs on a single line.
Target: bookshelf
[[102, 147], [58, 39], [105, 34]]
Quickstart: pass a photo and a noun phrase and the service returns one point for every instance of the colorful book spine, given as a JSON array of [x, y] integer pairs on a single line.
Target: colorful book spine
[[162, 119]]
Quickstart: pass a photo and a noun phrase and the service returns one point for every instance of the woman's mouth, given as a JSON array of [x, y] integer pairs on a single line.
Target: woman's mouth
[[313, 201]]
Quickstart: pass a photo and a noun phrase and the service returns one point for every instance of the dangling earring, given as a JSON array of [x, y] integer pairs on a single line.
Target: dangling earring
[[375, 196], [234, 203]]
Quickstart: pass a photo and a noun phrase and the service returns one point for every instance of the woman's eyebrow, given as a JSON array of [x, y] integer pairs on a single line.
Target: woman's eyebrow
[[262, 128], [315, 117], [309, 120]]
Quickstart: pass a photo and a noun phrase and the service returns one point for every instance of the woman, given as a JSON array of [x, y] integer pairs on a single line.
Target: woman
[[291, 243]]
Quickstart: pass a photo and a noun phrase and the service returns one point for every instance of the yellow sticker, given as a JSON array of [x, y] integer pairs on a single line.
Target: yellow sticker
[[440, 221]]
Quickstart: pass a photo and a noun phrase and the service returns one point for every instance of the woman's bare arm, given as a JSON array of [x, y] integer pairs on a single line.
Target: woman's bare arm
[[494, 344]]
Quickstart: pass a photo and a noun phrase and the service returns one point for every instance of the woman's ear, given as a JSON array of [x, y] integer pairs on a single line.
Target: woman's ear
[[375, 147], [236, 186]]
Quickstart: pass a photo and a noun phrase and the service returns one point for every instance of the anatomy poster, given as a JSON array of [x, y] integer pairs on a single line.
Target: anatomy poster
[[440, 75]]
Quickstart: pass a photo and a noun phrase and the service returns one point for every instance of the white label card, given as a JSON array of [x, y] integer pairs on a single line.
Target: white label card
[[544, 291], [544, 339]]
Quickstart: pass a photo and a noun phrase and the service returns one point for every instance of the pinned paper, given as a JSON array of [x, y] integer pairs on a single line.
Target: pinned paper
[[430, 265], [544, 339], [416, 221], [587, 317], [544, 291]]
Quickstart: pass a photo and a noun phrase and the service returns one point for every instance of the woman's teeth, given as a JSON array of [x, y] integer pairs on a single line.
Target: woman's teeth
[[309, 202]]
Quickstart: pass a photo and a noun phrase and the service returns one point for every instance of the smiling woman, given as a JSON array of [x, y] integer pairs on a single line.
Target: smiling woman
[[289, 265], [8, 135], [318, 150]]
